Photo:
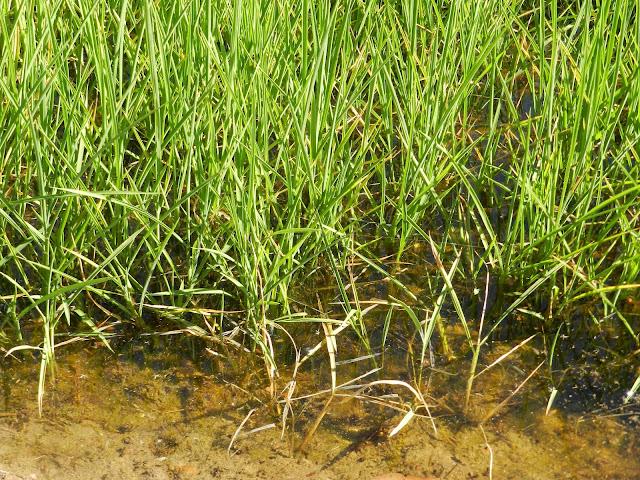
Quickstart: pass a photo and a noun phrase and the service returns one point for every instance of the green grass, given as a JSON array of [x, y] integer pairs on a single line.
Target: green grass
[[162, 162]]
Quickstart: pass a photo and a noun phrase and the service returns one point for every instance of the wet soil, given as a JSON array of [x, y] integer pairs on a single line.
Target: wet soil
[[166, 415]]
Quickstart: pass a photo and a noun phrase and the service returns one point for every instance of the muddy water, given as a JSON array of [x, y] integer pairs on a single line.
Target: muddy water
[[159, 408]]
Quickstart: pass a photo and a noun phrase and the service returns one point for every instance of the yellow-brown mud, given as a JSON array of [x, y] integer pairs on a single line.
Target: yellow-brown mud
[[111, 419]]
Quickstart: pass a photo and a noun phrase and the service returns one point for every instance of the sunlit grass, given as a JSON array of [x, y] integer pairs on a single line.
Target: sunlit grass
[[172, 161]]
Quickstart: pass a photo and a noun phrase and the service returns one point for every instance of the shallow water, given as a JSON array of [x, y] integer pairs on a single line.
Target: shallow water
[[162, 407]]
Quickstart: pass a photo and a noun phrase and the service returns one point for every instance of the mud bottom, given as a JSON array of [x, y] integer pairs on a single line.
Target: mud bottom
[[115, 419]]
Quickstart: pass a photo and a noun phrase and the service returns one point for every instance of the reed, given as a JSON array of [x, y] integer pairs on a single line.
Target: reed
[[175, 161]]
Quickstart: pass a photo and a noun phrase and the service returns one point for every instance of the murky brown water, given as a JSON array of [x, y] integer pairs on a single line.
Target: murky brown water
[[159, 409]]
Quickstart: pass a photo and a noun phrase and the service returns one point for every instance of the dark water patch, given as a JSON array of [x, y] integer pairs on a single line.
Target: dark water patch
[[592, 369]]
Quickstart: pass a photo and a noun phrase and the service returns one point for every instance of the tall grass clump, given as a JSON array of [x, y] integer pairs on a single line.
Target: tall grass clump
[[181, 161]]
